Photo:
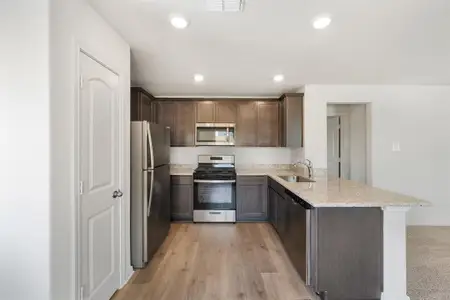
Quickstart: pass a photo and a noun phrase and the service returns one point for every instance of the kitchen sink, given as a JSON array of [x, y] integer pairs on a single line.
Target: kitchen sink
[[294, 178]]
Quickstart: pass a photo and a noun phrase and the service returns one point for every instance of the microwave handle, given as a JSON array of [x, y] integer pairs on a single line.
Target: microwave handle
[[228, 134]]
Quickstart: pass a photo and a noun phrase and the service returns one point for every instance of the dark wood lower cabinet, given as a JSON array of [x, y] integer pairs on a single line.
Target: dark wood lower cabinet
[[182, 193], [272, 199], [251, 195], [336, 250]]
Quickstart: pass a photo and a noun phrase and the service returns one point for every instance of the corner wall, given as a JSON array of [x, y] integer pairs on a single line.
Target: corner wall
[[24, 150], [75, 24], [418, 117]]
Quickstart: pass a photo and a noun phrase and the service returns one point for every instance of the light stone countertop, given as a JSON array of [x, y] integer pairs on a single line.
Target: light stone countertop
[[327, 192], [182, 170]]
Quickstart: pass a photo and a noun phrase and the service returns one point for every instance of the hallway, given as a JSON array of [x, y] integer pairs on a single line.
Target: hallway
[[218, 261]]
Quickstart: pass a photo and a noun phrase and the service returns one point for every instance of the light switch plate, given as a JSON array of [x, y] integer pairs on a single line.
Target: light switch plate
[[395, 147]]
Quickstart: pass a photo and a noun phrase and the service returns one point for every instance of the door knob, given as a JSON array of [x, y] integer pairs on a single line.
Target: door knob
[[117, 193]]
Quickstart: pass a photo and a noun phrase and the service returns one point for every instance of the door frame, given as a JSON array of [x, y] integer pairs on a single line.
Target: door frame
[[344, 143], [124, 201], [340, 142]]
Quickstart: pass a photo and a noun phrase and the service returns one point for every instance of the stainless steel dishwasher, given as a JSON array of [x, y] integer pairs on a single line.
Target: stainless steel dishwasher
[[299, 235]]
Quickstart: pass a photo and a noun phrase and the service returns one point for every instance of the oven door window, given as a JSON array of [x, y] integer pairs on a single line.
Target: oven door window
[[210, 196]]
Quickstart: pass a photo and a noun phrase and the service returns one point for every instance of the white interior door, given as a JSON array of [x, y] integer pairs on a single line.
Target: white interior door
[[333, 146], [99, 166]]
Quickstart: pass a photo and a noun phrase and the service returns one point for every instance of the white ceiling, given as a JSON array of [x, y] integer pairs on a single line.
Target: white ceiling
[[368, 42]]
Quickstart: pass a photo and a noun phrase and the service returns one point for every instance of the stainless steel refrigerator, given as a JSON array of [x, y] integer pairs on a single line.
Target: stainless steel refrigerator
[[150, 190]]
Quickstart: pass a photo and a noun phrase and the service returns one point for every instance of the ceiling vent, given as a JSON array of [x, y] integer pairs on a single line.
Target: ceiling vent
[[225, 5]]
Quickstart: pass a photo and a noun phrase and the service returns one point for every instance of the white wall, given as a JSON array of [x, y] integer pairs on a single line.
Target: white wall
[[73, 24], [244, 156], [415, 116], [24, 150], [358, 144]]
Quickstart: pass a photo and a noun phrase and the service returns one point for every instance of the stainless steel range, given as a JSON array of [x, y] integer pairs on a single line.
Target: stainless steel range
[[215, 189]]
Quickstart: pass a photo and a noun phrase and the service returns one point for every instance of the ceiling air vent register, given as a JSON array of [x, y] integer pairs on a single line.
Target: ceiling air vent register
[[225, 5]]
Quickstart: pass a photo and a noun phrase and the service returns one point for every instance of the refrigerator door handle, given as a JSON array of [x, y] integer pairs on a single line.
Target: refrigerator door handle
[[150, 197], [150, 145], [144, 216]]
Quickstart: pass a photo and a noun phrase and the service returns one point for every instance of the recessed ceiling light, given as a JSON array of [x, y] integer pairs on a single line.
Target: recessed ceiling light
[[278, 78], [199, 78], [321, 22], [179, 22]]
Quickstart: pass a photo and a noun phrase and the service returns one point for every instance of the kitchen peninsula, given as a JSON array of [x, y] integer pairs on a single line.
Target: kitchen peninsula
[[347, 240]]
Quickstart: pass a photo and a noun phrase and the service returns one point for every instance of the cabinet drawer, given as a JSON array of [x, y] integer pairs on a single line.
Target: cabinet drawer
[[181, 179], [251, 180]]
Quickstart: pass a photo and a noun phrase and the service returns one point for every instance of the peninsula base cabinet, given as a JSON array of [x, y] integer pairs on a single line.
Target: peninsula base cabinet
[[182, 194], [251, 195], [337, 251]]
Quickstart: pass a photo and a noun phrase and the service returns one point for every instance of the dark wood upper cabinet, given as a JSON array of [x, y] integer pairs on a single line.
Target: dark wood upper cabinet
[[225, 112], [205, 112], [180, 117], [259, 123], [165, 115], [246, 124], [184, 124], [292, 120], [142, 105], [216, 111], [268, 124]]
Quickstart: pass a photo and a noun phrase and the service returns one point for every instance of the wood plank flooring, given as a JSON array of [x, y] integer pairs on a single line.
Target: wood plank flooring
[[218, 262]]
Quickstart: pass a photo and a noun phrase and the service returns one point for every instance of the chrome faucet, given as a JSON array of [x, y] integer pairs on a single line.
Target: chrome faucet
[[307, 163]]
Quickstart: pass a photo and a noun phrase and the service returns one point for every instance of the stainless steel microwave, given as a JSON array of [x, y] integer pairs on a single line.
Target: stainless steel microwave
[[215, 134]]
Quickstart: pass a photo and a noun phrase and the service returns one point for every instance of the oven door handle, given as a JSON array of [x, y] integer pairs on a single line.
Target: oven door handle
[[214, 181]]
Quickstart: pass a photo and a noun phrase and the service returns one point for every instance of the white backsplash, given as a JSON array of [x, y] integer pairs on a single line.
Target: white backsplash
[[297, 154], [244, 156]]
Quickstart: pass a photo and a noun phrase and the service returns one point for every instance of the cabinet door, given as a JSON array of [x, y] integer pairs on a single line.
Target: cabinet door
[[272, 207], [252, 203], [184, 124], [205, 112], [292, 108], [225, 112], [165, 115], [141, 105], [268, 124], [181, 202], [146, 108], [246, 122]]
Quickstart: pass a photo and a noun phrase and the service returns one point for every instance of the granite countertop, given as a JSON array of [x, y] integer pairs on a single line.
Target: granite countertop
[[182, 171], [324, 192], [332, 192]]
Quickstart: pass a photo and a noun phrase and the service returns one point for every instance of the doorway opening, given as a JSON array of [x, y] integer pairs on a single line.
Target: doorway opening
[[347, 141]]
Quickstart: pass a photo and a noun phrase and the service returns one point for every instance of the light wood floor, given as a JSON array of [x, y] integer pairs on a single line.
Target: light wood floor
[[218, 262]]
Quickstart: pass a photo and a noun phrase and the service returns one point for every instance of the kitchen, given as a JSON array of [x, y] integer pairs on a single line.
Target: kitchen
[[311, 215], [65, 87]]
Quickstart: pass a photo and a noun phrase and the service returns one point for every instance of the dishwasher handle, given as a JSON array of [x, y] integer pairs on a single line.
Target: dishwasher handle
[[298, 200]]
